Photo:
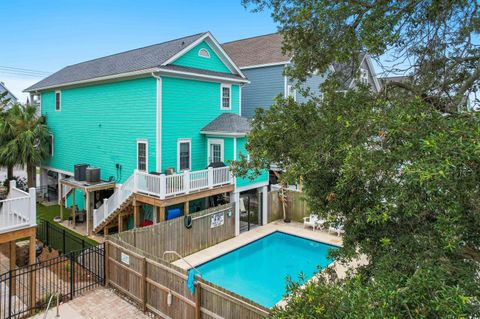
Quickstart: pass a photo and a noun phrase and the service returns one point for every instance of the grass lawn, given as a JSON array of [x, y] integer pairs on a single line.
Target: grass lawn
[[49, 212]]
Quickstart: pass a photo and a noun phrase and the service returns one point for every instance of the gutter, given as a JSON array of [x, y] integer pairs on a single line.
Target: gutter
[[139, 73]]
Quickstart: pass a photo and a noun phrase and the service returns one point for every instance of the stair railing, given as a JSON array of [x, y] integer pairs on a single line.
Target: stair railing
[[114, 202]]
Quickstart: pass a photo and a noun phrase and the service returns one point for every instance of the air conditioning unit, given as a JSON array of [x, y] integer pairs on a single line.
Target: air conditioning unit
[[80, 172], [93, 174]]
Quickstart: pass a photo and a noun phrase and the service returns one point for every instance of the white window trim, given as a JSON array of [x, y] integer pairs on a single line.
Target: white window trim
[[60, 100], [189, 141], [229, 86], [206, 56], [291, 91], [216, 141], [143, 141], [53, 149]]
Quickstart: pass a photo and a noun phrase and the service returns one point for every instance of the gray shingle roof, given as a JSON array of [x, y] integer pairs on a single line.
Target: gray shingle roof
[[134, 60], [229, 123]]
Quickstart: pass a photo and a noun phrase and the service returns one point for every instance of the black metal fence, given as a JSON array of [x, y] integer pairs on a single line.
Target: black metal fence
[[59, 238], [26, 290]]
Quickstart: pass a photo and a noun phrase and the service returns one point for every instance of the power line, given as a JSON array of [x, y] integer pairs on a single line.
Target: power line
[[23, 72]]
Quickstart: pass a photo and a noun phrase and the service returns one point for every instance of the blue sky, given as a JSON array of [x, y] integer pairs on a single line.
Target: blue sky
[[47, 35]]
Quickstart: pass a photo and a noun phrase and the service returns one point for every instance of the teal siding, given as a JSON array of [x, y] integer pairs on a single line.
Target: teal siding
[[193, 60], [241, 142], [187, 107], [100, 125], [79, 199]]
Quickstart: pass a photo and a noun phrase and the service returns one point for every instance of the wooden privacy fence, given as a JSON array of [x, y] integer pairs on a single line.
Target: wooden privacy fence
[[207, 230], [161, 287], [296, 209]]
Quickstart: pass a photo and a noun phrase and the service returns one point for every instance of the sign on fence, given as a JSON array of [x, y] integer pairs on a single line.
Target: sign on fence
[[218, 219], [125, 258]]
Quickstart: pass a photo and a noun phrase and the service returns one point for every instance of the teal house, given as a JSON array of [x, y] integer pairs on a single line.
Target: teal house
[[159, 126]]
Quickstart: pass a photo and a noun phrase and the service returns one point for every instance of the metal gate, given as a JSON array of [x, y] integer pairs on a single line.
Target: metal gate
[[26, 290]]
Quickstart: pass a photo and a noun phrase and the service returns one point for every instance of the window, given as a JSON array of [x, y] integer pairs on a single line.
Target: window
[[50, 144], [204, 53], [364, 76], [215, 150], [226, 99], [58, 101], [184, 154], [142, 155]]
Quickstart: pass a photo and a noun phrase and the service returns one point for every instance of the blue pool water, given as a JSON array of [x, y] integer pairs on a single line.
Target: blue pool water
[[258, 270]]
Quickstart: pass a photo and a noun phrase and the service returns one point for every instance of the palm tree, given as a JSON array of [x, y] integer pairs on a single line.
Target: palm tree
[[6, 132], [29, 143]]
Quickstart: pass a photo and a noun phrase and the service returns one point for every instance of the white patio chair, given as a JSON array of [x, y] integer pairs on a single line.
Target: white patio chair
[[338, 229], [310, 221]]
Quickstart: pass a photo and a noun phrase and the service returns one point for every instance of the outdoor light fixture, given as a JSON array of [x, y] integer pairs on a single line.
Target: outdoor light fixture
[[169, 298]]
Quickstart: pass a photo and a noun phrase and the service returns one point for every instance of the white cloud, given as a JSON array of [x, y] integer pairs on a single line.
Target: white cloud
[[16, 84]]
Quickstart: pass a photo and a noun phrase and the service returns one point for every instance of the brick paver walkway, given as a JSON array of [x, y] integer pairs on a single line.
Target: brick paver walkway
[[101, 303]]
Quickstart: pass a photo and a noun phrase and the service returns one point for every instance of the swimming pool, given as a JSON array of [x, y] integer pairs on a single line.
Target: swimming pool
[[258, 270]]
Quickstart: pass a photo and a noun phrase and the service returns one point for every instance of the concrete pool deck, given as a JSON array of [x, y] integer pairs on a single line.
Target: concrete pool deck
[[222, 248]]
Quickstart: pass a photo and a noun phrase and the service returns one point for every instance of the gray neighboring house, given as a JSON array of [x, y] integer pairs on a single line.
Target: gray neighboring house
[[262, 61], [13, 98]]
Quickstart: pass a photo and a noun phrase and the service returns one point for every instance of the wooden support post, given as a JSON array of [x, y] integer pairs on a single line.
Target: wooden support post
[[161, 214], [120, 223], [13, 265], [106, 261], [186, 208], [61, 201], [105, 231], [136, 214], [31, 260], [73, 207], [144, 285], [87, 212], [198, 300]]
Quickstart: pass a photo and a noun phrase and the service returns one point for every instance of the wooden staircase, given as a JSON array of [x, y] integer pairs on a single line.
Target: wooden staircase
[[126, 204]]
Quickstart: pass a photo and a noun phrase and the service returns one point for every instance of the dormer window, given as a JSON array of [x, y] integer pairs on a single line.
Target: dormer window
[[204, 53]]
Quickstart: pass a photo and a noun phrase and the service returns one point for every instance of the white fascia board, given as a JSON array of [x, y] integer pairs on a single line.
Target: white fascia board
[[213, 78], [264, 65]]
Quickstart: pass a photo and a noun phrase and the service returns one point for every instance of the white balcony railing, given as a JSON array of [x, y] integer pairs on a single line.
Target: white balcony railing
[[165, 186], [162, 186], [18, 210]]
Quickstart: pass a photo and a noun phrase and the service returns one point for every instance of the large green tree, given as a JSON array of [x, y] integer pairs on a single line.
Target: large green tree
[[400, 169]]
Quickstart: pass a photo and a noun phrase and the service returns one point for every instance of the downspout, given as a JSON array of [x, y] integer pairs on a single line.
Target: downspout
[[158, 122]]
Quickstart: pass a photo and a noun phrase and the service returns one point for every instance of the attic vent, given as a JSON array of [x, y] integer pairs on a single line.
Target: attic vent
[[204, 53]]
